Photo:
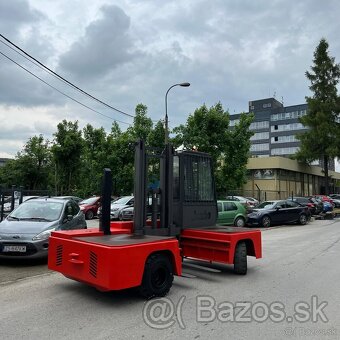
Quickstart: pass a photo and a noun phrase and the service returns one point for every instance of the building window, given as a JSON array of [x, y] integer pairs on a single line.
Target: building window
[[284, 139], [259, 147], [264, 174], [288, 127], [260, 135], [267, 105], [287, 115], [259, 125], [284, 151]]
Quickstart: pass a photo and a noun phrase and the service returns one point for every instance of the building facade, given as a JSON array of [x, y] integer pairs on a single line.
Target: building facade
[[281, 177], [275, 128]]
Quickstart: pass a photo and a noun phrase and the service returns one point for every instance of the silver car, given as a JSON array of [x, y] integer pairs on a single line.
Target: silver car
[[26, 230]]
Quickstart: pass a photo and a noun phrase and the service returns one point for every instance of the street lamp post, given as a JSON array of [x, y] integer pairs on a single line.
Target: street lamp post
[[166, 110]]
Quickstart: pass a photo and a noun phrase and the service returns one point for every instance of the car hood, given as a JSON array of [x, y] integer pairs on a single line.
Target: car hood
[[25, 227]]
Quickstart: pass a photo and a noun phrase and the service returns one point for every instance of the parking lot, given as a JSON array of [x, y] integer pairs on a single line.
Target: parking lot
[[299, 263]]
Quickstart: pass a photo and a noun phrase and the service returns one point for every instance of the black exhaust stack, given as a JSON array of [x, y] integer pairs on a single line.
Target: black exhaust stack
[[104, 222]]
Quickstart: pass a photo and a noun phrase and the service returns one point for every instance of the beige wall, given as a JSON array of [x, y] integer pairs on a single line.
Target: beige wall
[[308, 179]]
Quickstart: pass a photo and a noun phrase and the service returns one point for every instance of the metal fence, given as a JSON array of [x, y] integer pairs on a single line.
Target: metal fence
[[10, 198]]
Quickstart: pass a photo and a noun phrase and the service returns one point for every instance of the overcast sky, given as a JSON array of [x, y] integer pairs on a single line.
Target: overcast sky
[[127, 52]]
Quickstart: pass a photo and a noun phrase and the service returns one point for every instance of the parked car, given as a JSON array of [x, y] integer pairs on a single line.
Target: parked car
[[231, 213], [74, 198], [327, 207], [119, 204], [313, 205], [90, 207], [243, 200], [278, 212], [126, 214], [254, 201], [324, 198], [25, 231]]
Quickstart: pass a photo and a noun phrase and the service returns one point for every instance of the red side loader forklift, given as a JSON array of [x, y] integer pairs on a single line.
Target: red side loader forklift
[[147, 253]]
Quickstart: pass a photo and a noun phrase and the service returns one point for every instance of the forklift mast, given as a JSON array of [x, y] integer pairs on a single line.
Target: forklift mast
[[186, 192]]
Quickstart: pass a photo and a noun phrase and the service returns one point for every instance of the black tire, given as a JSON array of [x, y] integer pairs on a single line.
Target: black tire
[[266, 221], [158, 276], [240, 259], [303, 219], [89, 215], [240, 222]]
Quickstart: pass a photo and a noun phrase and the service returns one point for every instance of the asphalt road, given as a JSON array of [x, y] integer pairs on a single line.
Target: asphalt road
[[299, 269]]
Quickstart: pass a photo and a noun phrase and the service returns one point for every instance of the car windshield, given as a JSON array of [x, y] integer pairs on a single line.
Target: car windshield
[[91, 200], [122, 200], [266, 205], [38, 210]]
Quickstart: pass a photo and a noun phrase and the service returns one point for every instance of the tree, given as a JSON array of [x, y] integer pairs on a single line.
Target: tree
[[208, 131], [67, 150], [321, 140], [32, 166]]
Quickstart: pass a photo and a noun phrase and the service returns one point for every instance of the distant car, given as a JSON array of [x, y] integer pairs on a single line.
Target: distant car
[[126, 214], [324, 198], [25, 231], [90, 207], [243, 200], [269, 213], [253, 200], [119, 204], [327, 207], [231, 213], [74, 198], [312, 204]]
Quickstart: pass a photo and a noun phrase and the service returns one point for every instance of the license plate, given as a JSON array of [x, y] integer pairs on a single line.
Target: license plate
[[20, 249]]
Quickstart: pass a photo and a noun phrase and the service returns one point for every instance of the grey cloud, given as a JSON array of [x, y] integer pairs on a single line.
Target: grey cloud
[[105, 46], [14, 14]]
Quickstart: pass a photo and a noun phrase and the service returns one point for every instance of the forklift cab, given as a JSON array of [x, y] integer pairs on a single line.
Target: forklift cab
[[186, 191]]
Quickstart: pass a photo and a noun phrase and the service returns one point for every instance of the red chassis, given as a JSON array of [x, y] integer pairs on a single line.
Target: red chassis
[[117, 261]]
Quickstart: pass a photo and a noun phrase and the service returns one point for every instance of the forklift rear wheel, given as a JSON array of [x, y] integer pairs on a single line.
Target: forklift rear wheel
[[158, 276], [240, 259]]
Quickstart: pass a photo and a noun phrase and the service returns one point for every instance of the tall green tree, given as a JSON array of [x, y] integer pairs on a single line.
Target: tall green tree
[[321, 140], [67, 150]]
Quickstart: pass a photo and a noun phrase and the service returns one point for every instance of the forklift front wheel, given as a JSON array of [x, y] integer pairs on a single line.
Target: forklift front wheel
[[158, 276], [240, 259]]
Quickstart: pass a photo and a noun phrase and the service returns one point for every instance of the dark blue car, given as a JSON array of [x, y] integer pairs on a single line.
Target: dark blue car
[[269, 213]]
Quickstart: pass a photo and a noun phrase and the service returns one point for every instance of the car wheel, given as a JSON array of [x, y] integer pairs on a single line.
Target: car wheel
[[158, 276], [240, 222], [266, 221], [89, 215], [303, 219], [240, 259]]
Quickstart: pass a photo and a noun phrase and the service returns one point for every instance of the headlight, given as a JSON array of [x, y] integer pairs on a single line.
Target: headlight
[[43, 235], [114, 209], [81, 208]]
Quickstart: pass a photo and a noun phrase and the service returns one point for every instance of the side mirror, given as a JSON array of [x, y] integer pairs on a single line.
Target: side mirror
[[278, 208]]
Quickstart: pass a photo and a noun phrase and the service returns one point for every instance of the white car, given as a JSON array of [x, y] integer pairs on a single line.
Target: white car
[[118, 205]]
